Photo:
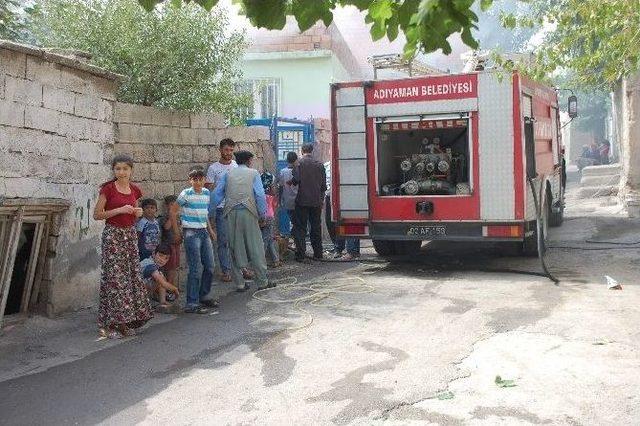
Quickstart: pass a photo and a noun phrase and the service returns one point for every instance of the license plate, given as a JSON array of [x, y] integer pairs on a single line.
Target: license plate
[[427, 231]]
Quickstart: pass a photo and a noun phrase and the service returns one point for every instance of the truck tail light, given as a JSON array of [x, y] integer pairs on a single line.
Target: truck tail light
[[502, 231], [352, 229]]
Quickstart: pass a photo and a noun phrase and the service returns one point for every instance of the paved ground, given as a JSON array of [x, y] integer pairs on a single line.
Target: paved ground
[[417, 341]]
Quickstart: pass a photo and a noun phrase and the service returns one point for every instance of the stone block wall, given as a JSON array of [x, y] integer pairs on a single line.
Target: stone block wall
[[60, 126], [166, 145], [55, 127], [322, 130]]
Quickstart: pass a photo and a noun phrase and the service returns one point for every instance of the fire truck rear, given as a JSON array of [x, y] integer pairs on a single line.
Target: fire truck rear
[[455, 157]]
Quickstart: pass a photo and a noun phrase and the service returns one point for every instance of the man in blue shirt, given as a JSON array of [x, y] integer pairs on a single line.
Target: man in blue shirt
[[245, 205]]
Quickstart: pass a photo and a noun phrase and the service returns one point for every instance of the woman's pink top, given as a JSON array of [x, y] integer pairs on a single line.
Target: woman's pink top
[[271, 206]]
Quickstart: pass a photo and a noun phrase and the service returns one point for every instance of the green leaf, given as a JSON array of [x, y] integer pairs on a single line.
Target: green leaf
[[444, 395], [149, 4], [377, 31], [207, 4], [308, 12], [406, 11], [392, 28], [269, 14], [485, 5], [468, 39], [508, 21], [360, 4], [504, 383], [381, 10]]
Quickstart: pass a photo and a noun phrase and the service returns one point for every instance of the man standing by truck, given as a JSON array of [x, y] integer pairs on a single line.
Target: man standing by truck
[[310, 177], [214, 174]]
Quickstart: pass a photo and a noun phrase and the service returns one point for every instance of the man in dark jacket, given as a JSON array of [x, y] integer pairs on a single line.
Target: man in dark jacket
[[310, 177]]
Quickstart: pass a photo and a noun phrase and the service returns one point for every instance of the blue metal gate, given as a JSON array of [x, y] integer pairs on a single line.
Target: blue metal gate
[[286, 135]]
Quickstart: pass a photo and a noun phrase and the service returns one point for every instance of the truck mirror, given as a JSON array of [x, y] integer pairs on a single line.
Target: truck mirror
[[572, 108]]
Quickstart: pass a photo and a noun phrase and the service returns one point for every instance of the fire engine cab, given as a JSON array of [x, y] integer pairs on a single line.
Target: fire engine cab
[[461, 157]]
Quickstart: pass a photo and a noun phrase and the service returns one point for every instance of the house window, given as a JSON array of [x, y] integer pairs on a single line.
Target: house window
[[266, 97]]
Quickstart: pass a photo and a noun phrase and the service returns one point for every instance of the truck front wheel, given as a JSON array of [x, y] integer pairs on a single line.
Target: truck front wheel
[[530, 244]]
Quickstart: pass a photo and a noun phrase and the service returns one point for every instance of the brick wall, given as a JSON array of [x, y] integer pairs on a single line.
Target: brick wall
[[318, 37]]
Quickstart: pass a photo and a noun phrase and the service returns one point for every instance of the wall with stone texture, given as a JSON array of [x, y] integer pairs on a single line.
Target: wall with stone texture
[[55, 127], [60, 126], [322, 130], [628, 98], [166, 145]]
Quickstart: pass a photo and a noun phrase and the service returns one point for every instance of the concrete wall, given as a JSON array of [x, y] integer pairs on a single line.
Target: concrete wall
[[60, 125], [305, 78], [629, 105], [305, 63], [322, 130]]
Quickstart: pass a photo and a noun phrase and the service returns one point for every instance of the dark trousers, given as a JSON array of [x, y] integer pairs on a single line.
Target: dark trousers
[[331, 227], [308, 215]]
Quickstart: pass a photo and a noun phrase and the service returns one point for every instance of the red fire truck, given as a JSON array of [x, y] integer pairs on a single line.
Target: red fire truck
[[449, 157]]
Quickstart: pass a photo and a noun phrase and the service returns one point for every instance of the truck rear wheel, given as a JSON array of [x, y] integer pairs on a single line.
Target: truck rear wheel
[[396, 248], [384, 247]]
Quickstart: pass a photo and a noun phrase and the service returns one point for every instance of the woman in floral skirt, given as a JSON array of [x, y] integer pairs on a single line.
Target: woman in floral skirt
[[124, 303]]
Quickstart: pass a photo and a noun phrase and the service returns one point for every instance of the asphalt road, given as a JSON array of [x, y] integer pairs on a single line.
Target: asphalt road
[[420, 340]]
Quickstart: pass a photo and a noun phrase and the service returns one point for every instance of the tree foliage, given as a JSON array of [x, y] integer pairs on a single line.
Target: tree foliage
[[176, 57], [493, 35], [427, 24], [599, 41], [14, 19]]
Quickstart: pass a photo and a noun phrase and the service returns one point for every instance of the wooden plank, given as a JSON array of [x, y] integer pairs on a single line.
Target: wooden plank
[[33, 260], [42, 257], [6, 268]]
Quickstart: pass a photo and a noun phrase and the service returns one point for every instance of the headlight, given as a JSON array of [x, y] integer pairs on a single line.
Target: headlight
[[411, 187], [443, 166], [430, 167]]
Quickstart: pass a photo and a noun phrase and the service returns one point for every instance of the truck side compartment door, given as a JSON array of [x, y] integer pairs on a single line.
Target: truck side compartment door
[[350, 153]]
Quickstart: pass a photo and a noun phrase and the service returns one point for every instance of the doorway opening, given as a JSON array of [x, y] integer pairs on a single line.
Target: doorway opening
[[17, 298], [24, 235]]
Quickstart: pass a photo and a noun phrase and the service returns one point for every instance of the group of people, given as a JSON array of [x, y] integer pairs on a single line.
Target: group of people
[[231, 205], [594, 154], [304, 187]]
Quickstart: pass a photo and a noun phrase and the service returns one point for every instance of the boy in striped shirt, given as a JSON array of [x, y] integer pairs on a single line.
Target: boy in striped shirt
[[198, 234]]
